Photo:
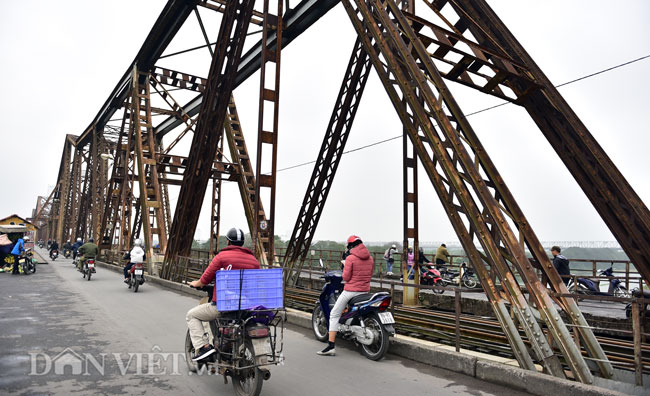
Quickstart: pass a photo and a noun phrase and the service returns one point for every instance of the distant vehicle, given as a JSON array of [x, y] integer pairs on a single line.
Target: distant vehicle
[[366, 322], [54, 254], [449, 277], [88, 268], [67, 253], [590, 287], [136, 276]]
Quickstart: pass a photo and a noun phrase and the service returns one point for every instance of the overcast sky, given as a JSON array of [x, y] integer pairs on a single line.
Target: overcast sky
[[60, 61]]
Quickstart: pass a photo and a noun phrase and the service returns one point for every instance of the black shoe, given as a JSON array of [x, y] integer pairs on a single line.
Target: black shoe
[[203, 353], [126, 281]]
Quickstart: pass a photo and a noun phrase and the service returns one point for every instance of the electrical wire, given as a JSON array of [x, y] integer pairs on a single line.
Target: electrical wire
[[478, 111]]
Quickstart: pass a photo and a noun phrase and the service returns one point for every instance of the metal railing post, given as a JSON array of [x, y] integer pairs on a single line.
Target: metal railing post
[[636, 329]]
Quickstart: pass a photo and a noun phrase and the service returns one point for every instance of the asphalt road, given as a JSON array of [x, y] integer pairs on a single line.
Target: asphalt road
[[126, 343]]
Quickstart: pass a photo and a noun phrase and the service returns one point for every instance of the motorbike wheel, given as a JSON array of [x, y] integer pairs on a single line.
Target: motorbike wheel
[[189, 351], [469, 282], [378, 349], [439, 283], [136, 284], [89, 273], [319, 324], [247, 382]]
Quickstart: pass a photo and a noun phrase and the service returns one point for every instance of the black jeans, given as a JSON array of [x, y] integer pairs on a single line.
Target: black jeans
[[16, 258]]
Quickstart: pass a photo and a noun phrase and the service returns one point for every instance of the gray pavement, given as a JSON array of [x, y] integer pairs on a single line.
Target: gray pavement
[[126, 343]]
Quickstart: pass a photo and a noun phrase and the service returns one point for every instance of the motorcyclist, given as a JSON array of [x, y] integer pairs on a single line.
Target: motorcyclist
[[67, 246], [234, 256], [87, 251], [75, 247], [54, 247], [357, 272], [136, 255]]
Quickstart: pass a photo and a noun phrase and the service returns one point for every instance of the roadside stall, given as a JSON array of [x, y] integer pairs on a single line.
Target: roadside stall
[[12, 228]]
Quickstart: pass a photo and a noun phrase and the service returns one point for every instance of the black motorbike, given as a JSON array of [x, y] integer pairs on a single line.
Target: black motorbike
[[54, 254], [88, 268], [248, 342], [67, 253], [644, 309], [449, 277], [27, 263]]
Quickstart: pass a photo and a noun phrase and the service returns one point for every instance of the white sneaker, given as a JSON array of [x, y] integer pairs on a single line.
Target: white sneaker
[[327, 352]]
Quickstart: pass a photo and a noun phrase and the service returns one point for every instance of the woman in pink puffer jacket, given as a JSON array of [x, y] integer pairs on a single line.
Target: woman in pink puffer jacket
[[357, 272]]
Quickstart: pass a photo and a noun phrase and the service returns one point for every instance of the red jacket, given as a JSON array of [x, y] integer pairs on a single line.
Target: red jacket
[[358, 270], [236, 256]]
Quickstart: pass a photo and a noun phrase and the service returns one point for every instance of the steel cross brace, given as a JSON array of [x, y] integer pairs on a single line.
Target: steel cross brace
[[329, 157], [492, 211], [505, 198], [465, 177], [230, 43]]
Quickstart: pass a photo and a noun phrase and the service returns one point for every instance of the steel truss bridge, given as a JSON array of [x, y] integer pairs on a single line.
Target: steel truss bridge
[[416, 48]]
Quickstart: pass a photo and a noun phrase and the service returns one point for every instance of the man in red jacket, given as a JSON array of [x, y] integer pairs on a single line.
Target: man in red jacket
[[234, 256], [357, 272]]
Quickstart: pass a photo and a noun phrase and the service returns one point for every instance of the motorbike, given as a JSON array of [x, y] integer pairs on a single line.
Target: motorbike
[[429, 275], [644, 309], [54, 254], [247, 343], [88, 268], [67, 253], [365, 321], [40, 245], [588, 286], [136, 276], [449, 277], [27, 263]]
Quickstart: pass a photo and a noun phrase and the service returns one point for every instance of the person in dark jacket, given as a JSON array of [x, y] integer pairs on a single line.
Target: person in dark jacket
[[75, 247], [234, 256], [88, 250], [357, 272], [561, 264], [54, 247]]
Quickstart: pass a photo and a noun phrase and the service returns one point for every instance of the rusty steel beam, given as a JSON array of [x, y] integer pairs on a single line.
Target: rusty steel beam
[[614, 199], [263, 234], [386, 24], [230, 43], [242, 162], [329, 157]]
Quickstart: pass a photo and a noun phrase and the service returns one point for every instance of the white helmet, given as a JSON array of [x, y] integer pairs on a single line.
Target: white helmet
[[78, 239], [138, 242]]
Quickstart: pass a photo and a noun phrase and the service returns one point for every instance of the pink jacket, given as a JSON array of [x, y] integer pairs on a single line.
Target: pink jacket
[[358, 270]]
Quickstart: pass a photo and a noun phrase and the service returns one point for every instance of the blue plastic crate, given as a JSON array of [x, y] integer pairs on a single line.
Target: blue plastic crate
[[258, 287]]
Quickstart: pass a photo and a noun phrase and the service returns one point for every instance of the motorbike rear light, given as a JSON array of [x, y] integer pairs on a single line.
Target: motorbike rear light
[[381, 305], [91, 261], [258, 332]]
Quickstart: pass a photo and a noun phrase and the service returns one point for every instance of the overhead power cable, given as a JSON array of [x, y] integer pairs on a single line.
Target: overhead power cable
[[478, 111]]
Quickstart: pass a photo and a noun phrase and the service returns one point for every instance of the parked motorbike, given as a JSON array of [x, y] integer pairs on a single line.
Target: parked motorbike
[[54, 254], [88, 268], [247, 343], [429, 275], [637, 294], [450, 277], [590, 287], [365, 321], [136, 276], [27, 263]]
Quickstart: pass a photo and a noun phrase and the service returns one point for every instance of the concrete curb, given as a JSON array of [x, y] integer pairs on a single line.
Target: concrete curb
[[437, 356]]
